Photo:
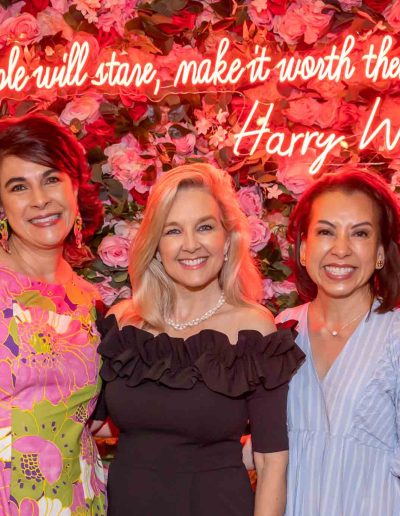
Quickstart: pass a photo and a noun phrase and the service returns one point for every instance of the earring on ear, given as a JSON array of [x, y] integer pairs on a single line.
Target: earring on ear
[[4, 235], [379, 263], [78, 224], [302, 261], [158, 256], [226, 257]]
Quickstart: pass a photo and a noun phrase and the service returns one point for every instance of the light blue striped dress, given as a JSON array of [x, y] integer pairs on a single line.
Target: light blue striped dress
[[344, 457]]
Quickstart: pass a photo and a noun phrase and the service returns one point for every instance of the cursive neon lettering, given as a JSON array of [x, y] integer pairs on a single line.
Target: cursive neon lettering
[[15, 77]]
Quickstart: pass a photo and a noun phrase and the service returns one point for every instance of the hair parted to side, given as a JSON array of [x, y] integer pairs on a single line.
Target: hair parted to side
[[153, 290], [385, 282], [41, 140]]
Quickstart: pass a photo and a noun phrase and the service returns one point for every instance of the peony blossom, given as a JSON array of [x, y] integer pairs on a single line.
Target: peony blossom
[[293, 172], [114, 251]]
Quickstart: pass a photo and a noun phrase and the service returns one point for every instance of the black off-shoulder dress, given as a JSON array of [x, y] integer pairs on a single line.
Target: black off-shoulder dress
[[182, 406]]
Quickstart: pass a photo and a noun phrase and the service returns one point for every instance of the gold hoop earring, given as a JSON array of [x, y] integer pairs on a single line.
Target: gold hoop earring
[[4, 235], [78, 224], [379, 263]]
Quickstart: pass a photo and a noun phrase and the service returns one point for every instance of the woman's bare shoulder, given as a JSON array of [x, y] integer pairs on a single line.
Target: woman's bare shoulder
[[120, 309], [255, 317]]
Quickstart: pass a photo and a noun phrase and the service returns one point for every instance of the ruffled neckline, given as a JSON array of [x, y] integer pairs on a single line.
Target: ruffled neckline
[[137, 356]]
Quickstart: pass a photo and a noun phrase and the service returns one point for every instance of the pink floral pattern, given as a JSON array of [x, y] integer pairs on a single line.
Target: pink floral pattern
[[48, 386]]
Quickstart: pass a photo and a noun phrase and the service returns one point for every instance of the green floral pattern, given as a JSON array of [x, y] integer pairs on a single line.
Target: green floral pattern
[[48, 388]]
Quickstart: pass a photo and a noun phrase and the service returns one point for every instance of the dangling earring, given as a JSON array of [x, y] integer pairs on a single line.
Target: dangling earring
[[78, 230], [4, 235], [226, 257], [379, 263], [158, 256]]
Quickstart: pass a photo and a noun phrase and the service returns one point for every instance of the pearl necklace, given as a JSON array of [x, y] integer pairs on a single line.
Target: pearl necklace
[[194, 322], [335, 333]]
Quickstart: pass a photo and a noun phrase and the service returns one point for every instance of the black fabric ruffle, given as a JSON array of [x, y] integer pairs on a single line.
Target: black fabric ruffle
[[233, 370]]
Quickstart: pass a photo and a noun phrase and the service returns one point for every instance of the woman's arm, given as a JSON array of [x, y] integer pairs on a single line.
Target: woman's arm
[[271, 483]]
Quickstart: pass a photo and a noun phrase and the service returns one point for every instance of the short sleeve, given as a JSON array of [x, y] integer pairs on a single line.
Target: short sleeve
[[267, 415]]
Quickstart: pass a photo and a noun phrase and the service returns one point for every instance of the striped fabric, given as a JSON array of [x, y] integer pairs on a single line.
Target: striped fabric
[[344, 430]]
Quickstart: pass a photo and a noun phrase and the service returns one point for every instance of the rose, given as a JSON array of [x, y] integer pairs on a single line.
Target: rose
[[98, 133], [60, 5], [128, 167], [259, 233], [277, 288], [51, 22], [85, 108], [348, 115], [22, 29], [250, 200], [109, 294], [259, 13], [34, 6], [126, 229], [114, 251], [392, 15], [185, 144], [304, 110], [293, 172], [303, 19]]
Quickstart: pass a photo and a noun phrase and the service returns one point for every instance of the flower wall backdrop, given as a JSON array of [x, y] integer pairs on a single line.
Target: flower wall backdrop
[[131, 138]]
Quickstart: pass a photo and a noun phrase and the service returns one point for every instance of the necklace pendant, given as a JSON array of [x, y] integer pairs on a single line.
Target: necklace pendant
[[334, 333]]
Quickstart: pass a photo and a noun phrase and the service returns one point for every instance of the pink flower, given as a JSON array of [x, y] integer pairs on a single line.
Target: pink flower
[[250, 200], [277, 288], [61, 6], [27, 506], [126, 229], [347, 116], [185, 145], [293, 171], [43, 456], [392, 15], [88, 8], [304, 110], [303, 18], [11, 12], [114, 251], [259, 13], [109, 294], [85, 109], [6, 393], [126, 164], [51, 21], [56, 356], [348, 5], [22, 29], [259, 233]]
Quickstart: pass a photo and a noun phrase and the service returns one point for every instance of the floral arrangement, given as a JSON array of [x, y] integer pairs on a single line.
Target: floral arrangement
[[131, 138]]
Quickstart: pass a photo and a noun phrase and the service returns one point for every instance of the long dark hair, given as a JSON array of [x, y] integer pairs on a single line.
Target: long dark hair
[[385, 282]]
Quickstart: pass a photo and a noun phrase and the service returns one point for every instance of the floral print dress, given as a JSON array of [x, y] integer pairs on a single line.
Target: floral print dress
[[49, 463]]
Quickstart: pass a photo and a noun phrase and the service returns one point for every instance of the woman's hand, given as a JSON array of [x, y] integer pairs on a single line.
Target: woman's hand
[[271, 483]]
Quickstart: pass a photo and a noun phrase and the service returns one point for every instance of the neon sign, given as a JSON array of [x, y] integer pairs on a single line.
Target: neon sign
[[115, 70]]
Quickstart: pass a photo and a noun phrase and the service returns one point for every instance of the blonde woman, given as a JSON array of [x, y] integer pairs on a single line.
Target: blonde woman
[[191, 358]]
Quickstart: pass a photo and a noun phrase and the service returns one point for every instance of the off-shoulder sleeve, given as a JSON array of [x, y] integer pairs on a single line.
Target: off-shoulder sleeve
[[137, 356]]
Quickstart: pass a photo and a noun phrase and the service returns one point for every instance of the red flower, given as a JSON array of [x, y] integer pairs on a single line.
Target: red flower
[[35, 6], [278, 7], [377, 5], [98, 133], [185, 20]]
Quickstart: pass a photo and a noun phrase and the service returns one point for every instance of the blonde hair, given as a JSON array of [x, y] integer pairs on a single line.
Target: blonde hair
[[153, 296]]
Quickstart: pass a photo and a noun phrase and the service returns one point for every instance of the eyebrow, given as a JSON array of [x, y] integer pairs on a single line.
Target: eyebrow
[[199, 221], [45, 174], [366, 223]]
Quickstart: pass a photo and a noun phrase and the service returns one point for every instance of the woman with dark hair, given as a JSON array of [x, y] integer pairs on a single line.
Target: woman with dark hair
[[192, 357], [344, 404], [48, 362]]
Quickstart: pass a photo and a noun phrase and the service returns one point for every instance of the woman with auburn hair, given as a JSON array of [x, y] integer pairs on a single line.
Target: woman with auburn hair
[[48, 340], [344, 404], [176, 386]]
